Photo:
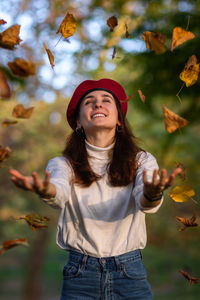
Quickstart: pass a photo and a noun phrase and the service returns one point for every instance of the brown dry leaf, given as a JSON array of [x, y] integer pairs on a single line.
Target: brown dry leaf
[[4, 154], [114, 52], [155, 41], [5, 91], [192, 279], [20, 112], [172, 120], [10, 37], [112, 22], [127, 32], [182, 175], [68, 26], [180, 36], [187, 222], [50, 55], [22, 68], [2, 22], [181, 193], [35, 221], [13, 243], [191, 71], [8, 122], [142, 97]]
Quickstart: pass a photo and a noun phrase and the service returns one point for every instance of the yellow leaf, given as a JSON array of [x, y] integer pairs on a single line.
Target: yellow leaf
[[154, 41], [181, 193], [68, 26], [191, 71], [180, 36], [50, 55], [172, 120]]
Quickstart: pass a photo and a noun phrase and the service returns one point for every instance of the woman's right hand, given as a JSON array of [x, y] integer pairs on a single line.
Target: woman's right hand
[[34, 183]]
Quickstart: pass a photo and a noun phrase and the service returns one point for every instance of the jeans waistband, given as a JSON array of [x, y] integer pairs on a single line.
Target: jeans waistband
[[111, 261]]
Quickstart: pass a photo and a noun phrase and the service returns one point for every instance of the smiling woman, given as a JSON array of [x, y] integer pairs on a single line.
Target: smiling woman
[[104, 185]]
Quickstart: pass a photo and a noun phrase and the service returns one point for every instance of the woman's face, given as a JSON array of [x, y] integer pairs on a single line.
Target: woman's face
[[98, 111]]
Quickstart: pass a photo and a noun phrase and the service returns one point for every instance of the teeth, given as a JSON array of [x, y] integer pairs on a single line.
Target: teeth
[[98, 115]]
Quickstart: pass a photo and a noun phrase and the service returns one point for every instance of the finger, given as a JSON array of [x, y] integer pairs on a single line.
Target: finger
[[163, 177], [47, 178], [37, 182], [155, 177], [27, 184], [15, 173], [172, 176], [144, 177]]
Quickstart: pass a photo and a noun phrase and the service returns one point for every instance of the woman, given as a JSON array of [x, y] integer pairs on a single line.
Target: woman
[[104, 185]]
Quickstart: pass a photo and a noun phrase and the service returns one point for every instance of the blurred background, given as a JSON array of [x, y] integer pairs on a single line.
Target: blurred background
[[35, 272]]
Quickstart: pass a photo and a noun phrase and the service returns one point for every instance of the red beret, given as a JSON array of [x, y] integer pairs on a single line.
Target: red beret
[[88, 86]]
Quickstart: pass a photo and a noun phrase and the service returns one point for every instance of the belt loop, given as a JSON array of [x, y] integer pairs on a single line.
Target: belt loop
[[84, 261], [118, 264]]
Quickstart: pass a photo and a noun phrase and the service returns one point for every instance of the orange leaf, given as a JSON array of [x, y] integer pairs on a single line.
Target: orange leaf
[[191, 71], [4, 154], [50, 55], [35, 221], [13, 243], [68, 26], [155, 41], [187, 222], [192, 280], [112, 23], [8, 122], [127, 99], [172, 120], [20, 112], [10, 37], [182, 175], [22, 68], [142, 97], [2, 22], [5, 91], [180, 36]]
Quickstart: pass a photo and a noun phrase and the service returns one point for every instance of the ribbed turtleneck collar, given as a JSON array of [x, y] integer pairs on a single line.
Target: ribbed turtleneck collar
[[98, 152]]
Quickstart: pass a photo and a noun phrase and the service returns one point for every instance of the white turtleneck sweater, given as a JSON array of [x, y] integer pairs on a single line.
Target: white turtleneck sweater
[[100, 220]]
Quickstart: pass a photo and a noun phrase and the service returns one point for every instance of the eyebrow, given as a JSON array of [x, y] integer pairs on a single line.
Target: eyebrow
[[104, 95]]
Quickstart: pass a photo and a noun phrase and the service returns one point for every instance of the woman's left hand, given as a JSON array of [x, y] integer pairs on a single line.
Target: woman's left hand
[[158, 185]]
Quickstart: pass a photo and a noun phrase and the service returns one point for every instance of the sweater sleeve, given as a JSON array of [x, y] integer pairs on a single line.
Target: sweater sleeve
[[60, 176], [146, 162]]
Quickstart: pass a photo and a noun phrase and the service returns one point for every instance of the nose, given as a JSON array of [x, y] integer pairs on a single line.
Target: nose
[[98, 104]]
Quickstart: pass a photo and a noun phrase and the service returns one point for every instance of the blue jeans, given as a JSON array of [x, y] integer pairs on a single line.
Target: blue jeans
[[120, 277]]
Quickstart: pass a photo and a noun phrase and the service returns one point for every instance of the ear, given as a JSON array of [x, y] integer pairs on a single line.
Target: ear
[[119, 123]]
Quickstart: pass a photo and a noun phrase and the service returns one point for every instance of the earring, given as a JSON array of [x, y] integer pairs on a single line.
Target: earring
[[80, 132]]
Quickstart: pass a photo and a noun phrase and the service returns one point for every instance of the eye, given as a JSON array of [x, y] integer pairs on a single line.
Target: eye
[[106, 100]]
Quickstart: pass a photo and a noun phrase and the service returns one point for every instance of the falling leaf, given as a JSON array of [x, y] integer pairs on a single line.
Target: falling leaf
[[20, 112], [112, 23], [8, 122], [187, 222], [5, 91], [2, 22], [181, 193], [192, 280], [127, 99], [13, 243], [180, 36], [68, 26], [114, 52], [182, 175], [155, 41], [191, 71], [10, 37], [172, 120], [127, 32], [35, 221], [4, 154], [22, 68], [142, 97], [50, 55]]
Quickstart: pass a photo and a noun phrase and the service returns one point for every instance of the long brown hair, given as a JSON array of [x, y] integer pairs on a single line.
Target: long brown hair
[[123, 164]]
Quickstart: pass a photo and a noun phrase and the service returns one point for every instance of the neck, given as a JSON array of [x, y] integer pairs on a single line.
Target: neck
[[100, 139]]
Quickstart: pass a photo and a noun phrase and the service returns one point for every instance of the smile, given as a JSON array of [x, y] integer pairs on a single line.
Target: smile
[[98, 115]]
